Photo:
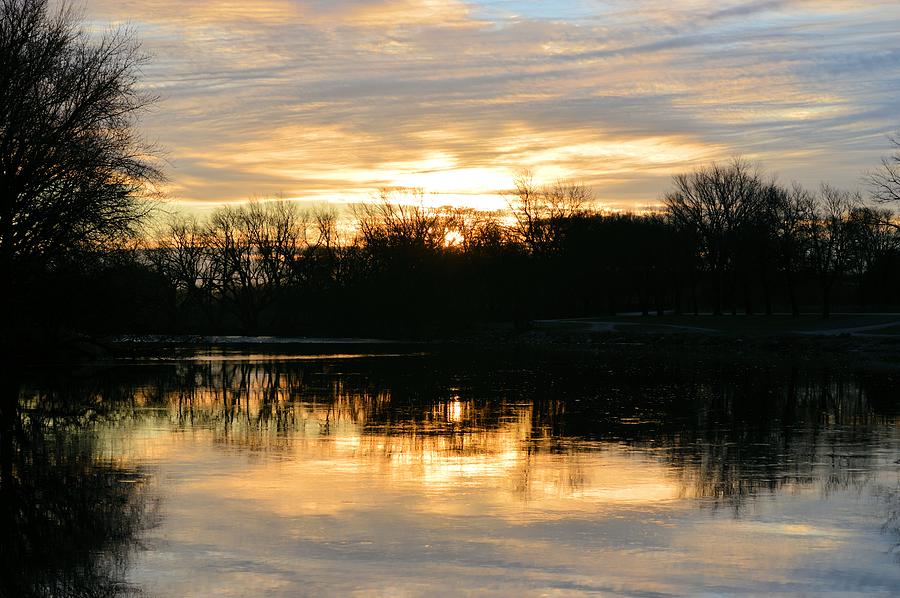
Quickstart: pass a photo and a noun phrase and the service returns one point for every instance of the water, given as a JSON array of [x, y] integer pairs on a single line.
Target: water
[[235, 474]]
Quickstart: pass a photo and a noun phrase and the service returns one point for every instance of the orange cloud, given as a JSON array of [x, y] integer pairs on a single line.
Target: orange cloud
[[328, 100]]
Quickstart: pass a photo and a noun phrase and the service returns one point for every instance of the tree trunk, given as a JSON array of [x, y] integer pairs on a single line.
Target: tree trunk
[[694, 303], [9, 407], [767, 291], [792, 295], [733, 297], [748, 298], [720, 284]]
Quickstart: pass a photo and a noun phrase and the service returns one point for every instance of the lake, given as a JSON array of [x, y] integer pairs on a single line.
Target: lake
[[234, 472]]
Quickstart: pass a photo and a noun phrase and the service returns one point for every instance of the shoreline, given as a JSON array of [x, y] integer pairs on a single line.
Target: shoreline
[[854, 350], [870, 342]]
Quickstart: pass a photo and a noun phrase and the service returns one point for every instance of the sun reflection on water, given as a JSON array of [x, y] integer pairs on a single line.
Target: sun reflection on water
[[307, 470]]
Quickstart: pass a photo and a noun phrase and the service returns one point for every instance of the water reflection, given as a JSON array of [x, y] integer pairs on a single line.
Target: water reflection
[[70, 516], [513, 472]]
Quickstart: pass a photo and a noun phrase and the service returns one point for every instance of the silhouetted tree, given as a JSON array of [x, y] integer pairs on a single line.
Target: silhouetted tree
[[319, 268], [478, 230], [541, 212], [793, 214], [399, 218], [884, 182], [73, 171], [401, 258], [255, 249], [873, 238], [182, 254], [831, 240], [714, 203]]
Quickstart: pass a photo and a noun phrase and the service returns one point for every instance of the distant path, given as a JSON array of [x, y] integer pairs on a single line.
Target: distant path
[[605, 326], [221, 340], [853, 330], [595, 325]]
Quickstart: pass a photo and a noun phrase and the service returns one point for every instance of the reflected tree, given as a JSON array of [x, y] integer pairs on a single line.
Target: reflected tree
[[729, 433], [69, 521]]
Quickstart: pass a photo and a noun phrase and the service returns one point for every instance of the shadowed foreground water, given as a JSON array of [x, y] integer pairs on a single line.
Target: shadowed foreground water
[[235, 474]]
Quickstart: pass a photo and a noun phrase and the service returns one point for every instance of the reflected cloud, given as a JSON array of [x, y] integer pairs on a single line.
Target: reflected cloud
[[386, 473], [524, 451]]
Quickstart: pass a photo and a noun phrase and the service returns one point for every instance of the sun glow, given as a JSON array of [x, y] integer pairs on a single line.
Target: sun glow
[[458, 180], [453, 239]]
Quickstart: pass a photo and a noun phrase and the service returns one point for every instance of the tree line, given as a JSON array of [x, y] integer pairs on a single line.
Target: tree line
[[727, 240], [78, 183]]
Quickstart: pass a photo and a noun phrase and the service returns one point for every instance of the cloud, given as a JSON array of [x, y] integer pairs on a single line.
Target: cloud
[[330, 99]]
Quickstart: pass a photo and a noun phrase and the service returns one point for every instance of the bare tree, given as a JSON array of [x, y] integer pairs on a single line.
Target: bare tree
[[477, 229], [325, 224], [793, 214], [254, 253], [715, 203], [181, 254], [831, 241], [278, 232], [884, 182], [873, 236], [320, 266], [541, 212], [73, 171], [400, 219]]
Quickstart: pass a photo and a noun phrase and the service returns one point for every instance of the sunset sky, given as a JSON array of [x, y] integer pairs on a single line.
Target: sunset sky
[[327, 100]]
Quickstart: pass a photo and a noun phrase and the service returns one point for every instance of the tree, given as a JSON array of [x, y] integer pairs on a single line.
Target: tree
[[74, 174], [182, 255], [254, 253], [884, 182], [793, 215], [715, 203], [874, 238], [831, 240], [400, 219], [478, 230], [541, 212]]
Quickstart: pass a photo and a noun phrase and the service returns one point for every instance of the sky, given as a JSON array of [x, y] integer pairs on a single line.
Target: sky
[[330, 100]]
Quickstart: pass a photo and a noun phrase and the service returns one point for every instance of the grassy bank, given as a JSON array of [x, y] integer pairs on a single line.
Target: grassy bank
[[738, 326], [845, 340]]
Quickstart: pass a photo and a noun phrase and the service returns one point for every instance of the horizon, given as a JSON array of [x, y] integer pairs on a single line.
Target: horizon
[[328, 102]]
